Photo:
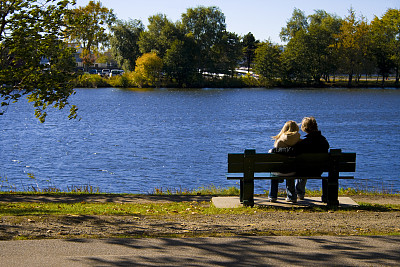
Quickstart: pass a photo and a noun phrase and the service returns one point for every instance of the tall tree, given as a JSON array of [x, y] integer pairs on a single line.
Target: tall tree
[[386, 42], [226, 54], [297, 22], [249, 43], [124, 42], [178, 62], [268, 60], [309, 52], [159, 36], [87, 26], [30, 34], [352, 44], [207, 26]]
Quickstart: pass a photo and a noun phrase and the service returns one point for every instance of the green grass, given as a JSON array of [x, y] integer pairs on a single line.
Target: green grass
[[84, 208], [204, 190], [169, 208]]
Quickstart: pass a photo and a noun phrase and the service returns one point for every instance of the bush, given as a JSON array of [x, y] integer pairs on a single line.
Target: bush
[[91, 81], [123, 81]]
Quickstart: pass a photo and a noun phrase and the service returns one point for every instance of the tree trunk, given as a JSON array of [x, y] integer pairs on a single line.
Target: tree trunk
[[350, 79]]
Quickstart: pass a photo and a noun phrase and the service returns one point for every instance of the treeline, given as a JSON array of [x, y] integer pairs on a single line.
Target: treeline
[[198, 50]]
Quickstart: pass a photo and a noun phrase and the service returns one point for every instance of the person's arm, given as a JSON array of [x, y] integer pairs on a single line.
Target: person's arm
[[284, 150]]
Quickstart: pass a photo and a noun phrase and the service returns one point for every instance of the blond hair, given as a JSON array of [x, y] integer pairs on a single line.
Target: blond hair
[[309, 124], [290, 127]]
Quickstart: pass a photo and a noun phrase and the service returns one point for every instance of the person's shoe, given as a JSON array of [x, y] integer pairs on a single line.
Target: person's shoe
[[272, 199], [301, 197], [291, 200]]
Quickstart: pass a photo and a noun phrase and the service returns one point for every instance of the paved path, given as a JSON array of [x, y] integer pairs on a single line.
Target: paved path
[[234, 202], [237, 251]]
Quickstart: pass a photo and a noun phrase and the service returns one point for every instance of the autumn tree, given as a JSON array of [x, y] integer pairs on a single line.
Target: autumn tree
[[148, 70], [34, 60], [87, 26], [352, 45]]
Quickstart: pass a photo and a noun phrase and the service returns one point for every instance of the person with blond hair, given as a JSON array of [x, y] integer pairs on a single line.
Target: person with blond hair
[[287, 137], [313, 142]]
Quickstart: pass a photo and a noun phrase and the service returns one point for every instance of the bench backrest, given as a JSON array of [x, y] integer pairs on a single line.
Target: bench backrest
[[334, 161]]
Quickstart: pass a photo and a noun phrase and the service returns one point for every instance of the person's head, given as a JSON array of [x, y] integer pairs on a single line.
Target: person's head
[[309, 125], [290, 127]]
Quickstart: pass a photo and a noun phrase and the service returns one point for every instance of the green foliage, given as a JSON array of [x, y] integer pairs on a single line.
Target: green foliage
[[206, 25], [268, 60], [87, 27], [31, 32], [124, 43], [160, 35], [249, 44]]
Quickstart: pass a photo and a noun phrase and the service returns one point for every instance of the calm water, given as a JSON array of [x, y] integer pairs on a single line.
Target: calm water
[[135, 141]]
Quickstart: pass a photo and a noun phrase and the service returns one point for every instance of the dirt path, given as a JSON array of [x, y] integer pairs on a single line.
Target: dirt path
[[289, 222]]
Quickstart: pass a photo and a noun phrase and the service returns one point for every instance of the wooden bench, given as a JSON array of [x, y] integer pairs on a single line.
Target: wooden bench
[[250, 166]]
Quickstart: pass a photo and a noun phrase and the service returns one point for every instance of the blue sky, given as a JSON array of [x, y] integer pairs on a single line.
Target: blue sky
[[263, 18]]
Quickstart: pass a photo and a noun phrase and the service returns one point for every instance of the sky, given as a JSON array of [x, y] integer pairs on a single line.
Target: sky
[[263, 18]]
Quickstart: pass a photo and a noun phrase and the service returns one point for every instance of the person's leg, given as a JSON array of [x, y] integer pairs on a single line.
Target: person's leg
[[290, 190], [301, 187], [273, 190]]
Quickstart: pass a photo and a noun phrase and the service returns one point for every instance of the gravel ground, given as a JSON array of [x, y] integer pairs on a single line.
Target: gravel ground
[[283, 222]]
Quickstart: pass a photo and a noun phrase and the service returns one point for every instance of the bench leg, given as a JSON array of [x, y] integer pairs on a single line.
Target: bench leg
[[324, 196], [333, 188], [247, 192]]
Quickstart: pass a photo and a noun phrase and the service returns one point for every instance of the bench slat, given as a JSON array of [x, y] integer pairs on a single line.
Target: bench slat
[[261, 176]]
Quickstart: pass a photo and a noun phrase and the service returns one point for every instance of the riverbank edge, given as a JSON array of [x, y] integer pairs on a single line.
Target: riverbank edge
[[275, 222]]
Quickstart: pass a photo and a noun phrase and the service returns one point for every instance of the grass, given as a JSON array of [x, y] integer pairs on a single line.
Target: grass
[[204, 190], [154, 209]]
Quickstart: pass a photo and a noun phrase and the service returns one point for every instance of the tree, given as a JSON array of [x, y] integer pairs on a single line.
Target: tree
[[87, 26], [178, 61], [207, 26], [353, 44], [309, 52], [160, 35], [226, 54], [297, 22], [386, 42], [148, 69], [30, 35], [124, 43], [267, 60], [249, 44]]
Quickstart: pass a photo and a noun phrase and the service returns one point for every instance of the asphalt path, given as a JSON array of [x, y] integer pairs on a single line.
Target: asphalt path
[[236, 251]]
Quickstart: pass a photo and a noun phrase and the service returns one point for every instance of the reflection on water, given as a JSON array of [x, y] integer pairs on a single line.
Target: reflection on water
[[137, 140]]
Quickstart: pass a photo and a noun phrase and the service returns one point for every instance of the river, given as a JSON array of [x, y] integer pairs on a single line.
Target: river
[[133, 141]]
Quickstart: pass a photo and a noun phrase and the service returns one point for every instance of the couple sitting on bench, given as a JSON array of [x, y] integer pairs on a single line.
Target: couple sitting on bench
[[288, 142]]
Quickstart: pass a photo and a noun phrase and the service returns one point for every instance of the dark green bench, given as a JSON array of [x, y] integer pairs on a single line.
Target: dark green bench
[[250, 166]]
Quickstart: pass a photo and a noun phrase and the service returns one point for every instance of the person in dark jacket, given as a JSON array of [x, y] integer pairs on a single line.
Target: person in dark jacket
[[314, 142]]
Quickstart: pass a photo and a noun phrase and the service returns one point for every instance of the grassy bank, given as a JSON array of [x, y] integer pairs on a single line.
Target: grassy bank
[[128, 81]]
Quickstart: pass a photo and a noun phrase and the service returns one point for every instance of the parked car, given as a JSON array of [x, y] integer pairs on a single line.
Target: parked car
[[93, 71], [105, 72], [116, 72]]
